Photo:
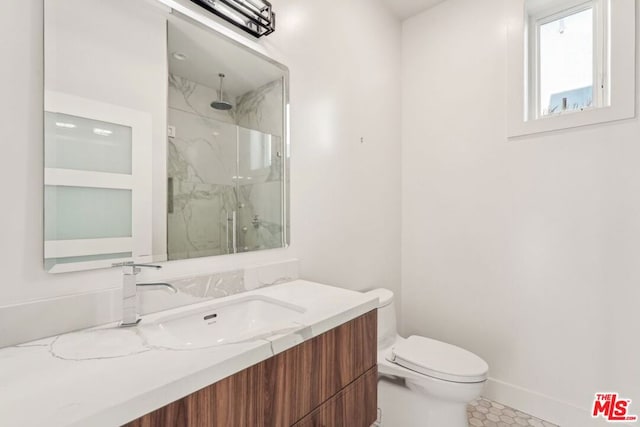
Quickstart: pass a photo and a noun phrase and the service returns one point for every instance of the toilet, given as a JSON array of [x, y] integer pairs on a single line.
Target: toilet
[[422, 382]]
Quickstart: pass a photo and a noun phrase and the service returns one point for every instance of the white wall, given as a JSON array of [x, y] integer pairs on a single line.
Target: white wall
[[344, 61], [524, 251]]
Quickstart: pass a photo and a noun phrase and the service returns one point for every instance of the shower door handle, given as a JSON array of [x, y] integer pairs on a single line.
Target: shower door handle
[[233, 229], [170, 195], [226, 217]]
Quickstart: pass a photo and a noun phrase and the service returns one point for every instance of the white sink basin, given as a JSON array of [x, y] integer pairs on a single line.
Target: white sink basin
[[221, 323]]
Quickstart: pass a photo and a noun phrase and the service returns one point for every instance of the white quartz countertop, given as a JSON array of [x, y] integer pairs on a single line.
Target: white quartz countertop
[[108, 376]]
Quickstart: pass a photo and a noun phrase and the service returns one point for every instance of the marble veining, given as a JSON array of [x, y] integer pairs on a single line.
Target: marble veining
[[264, 216], [261, 109], [201, 164], [192, 97], [203, 149], [217, 168], [199, 225], [113, 342], [97, 344], [196, 289], [126, 376], [212, 286]]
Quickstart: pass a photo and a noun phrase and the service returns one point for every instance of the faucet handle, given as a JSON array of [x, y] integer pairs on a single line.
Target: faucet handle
[[132, 268]]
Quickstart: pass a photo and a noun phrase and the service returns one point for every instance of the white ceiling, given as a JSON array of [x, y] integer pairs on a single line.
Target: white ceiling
[[208, 54], [404, 9]]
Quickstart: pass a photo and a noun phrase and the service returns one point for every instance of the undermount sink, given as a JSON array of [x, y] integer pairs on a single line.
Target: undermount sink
[[221, 323]]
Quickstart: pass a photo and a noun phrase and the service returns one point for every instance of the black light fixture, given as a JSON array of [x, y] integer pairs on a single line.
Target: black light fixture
[[256, 17]]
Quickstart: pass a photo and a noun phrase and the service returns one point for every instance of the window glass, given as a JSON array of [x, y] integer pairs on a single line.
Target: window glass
[[567, 63], [86, 213], [79, 143]]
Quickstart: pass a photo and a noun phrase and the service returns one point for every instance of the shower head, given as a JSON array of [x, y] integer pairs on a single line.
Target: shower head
[[221, 104]]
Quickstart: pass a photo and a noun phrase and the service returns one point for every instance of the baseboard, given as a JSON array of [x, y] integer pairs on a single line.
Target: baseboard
[[539, 405]]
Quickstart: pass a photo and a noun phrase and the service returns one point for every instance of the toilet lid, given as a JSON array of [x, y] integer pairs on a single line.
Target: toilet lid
[[439, 360]]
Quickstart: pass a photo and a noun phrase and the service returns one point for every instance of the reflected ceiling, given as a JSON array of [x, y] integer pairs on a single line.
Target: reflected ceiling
[[204, 56]]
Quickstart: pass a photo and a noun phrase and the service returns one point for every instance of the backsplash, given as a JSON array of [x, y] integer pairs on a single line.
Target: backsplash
[[212, 286], [192, 290], [80, 311]]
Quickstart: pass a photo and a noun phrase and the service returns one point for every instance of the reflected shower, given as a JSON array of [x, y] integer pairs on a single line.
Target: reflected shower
[[221, 104]]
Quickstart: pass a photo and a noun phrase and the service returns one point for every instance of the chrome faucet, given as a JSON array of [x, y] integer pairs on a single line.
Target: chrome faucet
[[129, 290]]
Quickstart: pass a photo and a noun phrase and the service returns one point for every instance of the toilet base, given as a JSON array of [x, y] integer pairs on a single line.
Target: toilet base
[[400, 406]]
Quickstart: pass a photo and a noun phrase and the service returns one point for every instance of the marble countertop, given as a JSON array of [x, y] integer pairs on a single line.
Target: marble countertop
[[108, 376]]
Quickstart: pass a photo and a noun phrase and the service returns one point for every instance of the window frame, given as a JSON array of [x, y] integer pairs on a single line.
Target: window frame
[[600, 54], [618, 75]]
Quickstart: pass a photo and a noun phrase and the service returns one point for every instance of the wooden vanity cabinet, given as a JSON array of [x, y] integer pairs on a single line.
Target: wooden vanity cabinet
[[329, 381], [355, 405]]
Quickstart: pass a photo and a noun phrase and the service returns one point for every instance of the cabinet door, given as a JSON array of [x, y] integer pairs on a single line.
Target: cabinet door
[[233, 401], [302, 378], [354, 406]]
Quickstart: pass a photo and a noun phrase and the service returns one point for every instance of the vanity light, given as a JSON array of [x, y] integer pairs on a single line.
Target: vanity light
[[253, 16], [65, 125], [228, 13], [102, 132]]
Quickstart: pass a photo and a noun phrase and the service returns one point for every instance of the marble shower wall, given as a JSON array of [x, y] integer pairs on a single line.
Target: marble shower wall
[[201, 169], [261, 109], [188, 96], [216, 167], [261, 192]]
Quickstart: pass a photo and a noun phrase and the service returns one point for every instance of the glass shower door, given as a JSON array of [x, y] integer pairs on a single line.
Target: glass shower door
[[202, 194], [260, 190], [225, 188]]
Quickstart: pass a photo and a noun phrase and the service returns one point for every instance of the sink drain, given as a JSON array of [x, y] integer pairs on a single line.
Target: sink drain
[[210, 316]]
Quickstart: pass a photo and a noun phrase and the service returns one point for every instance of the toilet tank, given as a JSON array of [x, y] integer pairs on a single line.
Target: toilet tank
[[387, 330]]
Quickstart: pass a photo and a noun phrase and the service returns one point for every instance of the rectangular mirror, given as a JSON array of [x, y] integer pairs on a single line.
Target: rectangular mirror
[[163, 139]]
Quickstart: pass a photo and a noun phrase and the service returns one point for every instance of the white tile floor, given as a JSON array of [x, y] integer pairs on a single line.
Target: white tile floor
[[485, 413]]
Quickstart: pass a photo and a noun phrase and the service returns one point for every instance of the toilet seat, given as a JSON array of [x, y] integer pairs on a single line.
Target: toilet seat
[[438, 360]]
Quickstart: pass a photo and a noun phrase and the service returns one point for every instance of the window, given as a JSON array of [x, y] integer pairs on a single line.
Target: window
[[570, 63], [568, 59]]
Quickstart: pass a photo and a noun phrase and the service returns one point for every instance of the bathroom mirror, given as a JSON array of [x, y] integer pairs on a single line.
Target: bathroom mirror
[[164, 140]]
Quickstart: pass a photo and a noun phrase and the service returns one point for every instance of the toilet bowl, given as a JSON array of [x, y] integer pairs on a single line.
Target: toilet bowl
[[422, 382]]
